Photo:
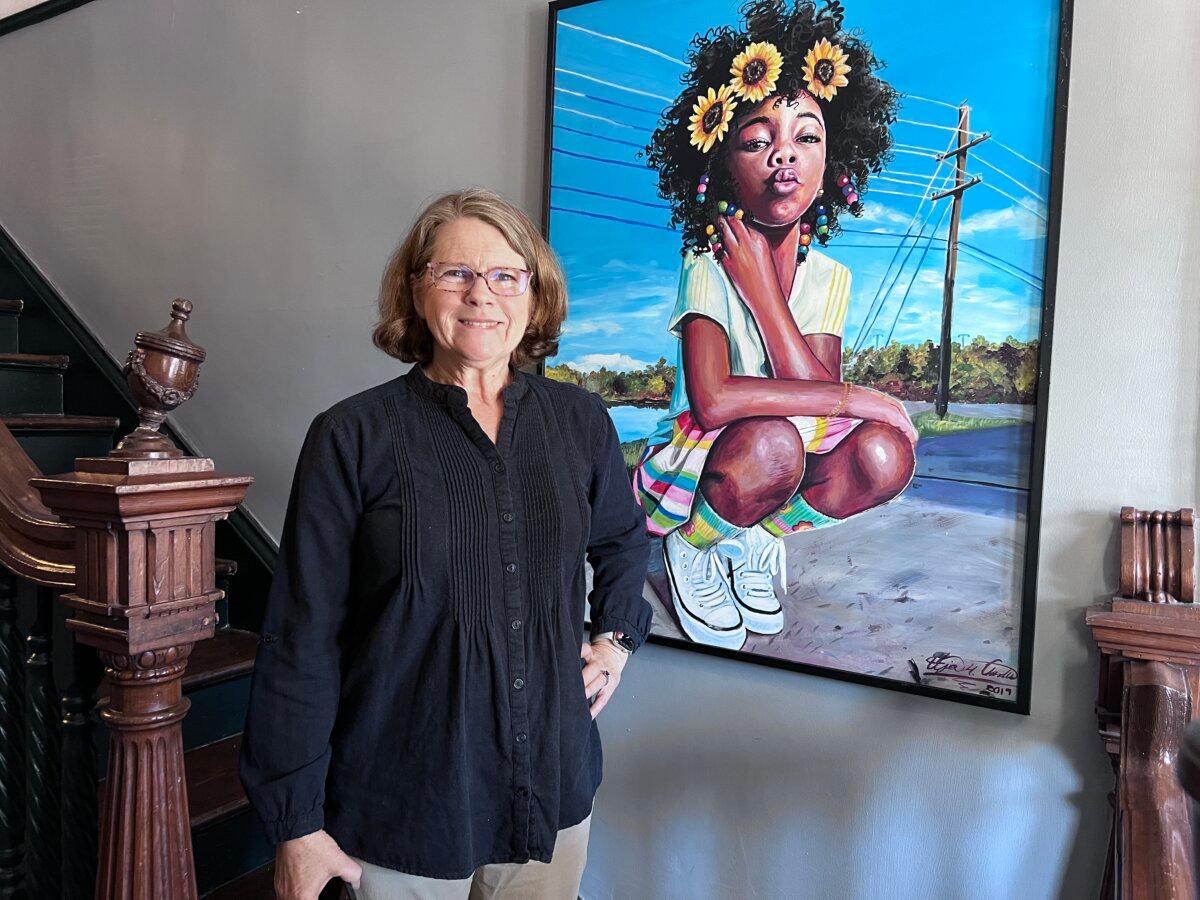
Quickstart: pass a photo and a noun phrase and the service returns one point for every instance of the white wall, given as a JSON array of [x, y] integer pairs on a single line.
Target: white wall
[[260, 158]]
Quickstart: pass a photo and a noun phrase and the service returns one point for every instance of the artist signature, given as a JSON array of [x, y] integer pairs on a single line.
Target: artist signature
[[988, 676]]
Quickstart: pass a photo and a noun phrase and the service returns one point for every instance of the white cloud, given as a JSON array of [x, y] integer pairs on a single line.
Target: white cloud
[[618, 362], [596, 326], [880, 215], [1011, 218]]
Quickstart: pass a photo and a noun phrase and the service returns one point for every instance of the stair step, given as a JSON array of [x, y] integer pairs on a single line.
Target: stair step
[[43, 422], [10, 310], [258, 884], [31, 383], [228, 654], [53, 441], [213, 787]]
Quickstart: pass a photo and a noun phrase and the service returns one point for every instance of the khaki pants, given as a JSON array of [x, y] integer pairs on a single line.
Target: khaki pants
[[555, 880]]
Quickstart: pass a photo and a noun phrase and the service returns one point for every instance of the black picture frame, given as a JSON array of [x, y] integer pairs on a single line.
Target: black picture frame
[[1022, 702]]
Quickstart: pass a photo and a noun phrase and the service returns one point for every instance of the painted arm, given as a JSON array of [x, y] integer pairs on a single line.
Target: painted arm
[[718, 398], [791, 354]]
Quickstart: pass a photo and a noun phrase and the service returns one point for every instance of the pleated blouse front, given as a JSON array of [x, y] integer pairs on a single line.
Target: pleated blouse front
[[417, 691]]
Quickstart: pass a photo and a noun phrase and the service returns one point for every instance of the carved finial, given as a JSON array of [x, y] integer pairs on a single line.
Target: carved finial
[[162, 371], [1157, 555]]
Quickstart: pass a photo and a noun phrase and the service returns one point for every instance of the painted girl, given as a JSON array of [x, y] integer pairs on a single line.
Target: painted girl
[[772, 136]]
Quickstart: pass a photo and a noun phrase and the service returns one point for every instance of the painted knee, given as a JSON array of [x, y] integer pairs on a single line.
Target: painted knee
[[754, 468], [886, 459]]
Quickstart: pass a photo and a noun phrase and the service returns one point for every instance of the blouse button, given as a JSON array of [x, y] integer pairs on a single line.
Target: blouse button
[[499, 467], [518, 683], [516, 624], [507, 517], [521, 737], [511, 567]]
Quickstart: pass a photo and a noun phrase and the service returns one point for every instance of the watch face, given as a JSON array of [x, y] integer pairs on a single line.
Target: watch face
[[625, 641]]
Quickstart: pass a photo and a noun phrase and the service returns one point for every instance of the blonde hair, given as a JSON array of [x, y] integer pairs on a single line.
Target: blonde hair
[[403, 334]]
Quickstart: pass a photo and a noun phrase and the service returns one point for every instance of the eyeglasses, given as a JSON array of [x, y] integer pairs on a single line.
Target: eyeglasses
[[460, 278]]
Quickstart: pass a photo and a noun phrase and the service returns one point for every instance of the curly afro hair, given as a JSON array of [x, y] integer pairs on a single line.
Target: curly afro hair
[[857, 120]]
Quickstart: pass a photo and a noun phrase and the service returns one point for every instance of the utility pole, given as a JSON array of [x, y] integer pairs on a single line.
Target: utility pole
[[942, 399]]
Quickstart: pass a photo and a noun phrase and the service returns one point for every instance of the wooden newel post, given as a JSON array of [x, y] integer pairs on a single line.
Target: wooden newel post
[[145, 519], [1149, 640]]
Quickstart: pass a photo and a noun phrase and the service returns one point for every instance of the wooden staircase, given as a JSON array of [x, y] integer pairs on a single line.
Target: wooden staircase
[[230, 850]]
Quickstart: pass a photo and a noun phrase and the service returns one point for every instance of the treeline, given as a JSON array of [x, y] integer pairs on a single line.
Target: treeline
[[981, 371], [648, 386]]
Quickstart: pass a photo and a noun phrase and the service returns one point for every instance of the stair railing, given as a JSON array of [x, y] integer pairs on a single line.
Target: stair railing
[[138, 527], [1149, 640]]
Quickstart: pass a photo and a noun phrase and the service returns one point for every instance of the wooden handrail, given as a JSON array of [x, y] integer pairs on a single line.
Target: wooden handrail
[[1149, 640], [34, 543]]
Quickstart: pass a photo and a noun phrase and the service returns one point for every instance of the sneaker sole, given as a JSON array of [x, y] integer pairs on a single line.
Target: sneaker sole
[[761, 622], [697, 631]]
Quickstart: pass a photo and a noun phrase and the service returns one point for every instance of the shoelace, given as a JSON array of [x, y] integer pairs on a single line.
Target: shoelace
[[705, 578], [766, 559]]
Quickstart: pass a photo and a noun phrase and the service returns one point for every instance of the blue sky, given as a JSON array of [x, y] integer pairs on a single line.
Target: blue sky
[[617, 66]]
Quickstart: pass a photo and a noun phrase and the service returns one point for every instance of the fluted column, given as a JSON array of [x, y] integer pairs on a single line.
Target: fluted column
[[145, 773], [12, 741]]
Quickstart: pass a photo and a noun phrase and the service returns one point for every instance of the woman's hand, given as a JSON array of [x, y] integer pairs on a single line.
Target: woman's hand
[[747, 259], [876, 406], [602, 673], [305, 865]]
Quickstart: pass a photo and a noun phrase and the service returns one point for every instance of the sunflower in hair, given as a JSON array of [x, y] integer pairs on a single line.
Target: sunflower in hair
[[825, 69], [711, 117], [755, 71]]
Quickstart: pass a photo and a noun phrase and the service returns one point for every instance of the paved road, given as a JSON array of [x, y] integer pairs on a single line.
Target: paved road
[[936, 571]]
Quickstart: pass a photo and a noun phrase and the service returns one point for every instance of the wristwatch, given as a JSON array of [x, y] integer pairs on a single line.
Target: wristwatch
[[620, 638]]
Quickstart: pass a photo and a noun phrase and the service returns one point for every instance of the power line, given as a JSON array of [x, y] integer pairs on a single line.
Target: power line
[[927, 100], [595, 215], [899, 193], [580, 112], [980, 250], [594, 99], [1017, 275], [592, 134], [615, 86], [980, 159], [617, 40], [1021, 157], [1019, 202], [575, 190], [916, 273], [938, 127], [900, 181], [602, 159]]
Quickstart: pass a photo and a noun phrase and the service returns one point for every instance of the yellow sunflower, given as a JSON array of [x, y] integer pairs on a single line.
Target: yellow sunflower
[[825, 69], [711, 117], [755, 71]]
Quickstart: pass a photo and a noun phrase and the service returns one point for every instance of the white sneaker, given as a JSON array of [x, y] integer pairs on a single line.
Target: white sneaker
[[755, 556], [703, 600]]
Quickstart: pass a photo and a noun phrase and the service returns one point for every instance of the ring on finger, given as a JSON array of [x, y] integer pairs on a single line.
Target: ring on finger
[[607, 677]]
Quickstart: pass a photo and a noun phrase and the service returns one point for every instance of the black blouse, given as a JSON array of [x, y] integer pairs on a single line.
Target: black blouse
[[417, 691]]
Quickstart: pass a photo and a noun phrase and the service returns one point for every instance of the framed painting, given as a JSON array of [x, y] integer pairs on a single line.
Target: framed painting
[[811, 250]]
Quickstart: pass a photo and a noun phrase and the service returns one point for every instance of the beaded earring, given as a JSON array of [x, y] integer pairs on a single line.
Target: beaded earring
[[848, 190], [701, 188]]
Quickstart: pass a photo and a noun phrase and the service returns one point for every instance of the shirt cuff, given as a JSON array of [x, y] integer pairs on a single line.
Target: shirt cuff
[[606, 625], [295, 827]]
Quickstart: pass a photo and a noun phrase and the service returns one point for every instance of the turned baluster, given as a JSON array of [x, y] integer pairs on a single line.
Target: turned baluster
[[12, 741], [43, 780]]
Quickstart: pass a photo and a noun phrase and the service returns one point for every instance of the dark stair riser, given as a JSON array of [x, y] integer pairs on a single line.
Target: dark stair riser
[[55, 451], [229, 848], [30, 389]]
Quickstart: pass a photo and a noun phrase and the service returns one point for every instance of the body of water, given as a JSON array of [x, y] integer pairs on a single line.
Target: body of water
[[635, 422]]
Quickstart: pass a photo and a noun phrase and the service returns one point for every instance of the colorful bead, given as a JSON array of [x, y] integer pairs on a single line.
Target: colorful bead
[[704, 179], [821, 210], [847, 189], [822, 220], [822, 229], [703, 187], [731, 210], [738, 215], [711, 229], [843, 180], [716, 247], [805, 240], [699, 198], [852, 198], [722, 206], [805, 228]]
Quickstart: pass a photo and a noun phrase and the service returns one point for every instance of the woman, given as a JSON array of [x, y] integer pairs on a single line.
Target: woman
[[418, 722], [773, 134]]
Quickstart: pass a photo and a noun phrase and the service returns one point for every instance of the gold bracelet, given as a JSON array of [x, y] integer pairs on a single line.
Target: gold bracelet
[[841, 403]]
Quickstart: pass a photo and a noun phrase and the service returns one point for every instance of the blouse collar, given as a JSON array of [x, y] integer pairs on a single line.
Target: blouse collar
[[452, 394]]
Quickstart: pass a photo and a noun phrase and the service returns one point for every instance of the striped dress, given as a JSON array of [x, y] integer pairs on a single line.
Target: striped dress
[[666, 478]]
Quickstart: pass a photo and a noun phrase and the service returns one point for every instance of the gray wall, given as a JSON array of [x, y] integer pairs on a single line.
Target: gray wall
[[260, 158]]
